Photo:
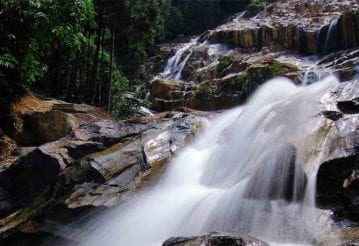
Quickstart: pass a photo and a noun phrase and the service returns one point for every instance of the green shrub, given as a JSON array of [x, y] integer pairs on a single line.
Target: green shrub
[[122, 108], [204, 92], [275, 69], [256, 6]]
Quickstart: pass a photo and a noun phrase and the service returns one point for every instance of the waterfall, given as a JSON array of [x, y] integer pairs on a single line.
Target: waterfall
[[327, 37], [310, 77], [314, 74], [239, 16], [177, 62], [332, 37], [248, 173]]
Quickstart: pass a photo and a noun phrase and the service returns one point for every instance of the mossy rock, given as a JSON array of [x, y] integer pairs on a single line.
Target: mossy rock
[[204, 91]]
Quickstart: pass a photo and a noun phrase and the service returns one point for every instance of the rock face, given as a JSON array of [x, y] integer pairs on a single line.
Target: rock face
[[57, 122], [216, 93], [288, 182], [227, 63], [337, 181], [96, 165], [214, 239], [295, 25], [344, 63]]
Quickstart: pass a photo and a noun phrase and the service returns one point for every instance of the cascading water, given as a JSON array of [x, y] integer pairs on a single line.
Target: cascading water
[[314, 74], [248, 173], [327, 38], [331, 41], [176, 63]]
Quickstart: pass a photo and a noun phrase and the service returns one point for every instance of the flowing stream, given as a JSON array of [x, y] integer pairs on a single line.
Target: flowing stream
[[176, 63], [248, 172]]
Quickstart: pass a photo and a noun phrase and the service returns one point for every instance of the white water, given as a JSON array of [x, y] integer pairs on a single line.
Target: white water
[[176, 63], [331, 36], [234, 178], [314, 74]]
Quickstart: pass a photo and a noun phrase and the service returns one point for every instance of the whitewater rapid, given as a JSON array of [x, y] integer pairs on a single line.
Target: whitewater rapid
[[248, 172]]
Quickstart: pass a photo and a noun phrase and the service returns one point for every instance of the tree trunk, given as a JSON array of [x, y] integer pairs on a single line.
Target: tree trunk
[[111, 65], [101, 80], [96, 81], [92, 87]]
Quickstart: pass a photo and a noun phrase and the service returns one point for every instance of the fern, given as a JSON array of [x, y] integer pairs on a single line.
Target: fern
[[8, 61]]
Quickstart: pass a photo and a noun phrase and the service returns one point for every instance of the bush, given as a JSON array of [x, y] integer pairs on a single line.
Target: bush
[[204, 92], [256, 6], [275, 69]]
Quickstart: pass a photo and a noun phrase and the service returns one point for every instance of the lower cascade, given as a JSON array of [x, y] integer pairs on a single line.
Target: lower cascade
[[248, 173]]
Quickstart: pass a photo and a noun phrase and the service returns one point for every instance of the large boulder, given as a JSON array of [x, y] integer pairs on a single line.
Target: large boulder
[[56, 122], [337, 176], [344, 64], [287, 178], [219, 93], [95, 165], [52, 125], [167, 94], [214, 239]]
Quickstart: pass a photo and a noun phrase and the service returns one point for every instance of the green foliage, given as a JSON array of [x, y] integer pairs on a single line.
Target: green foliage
[[184, 18], [204, 91], [224, 62], [122, 107], [7, 61], [262, 73], [246, 82], [257, 4], [137, 24], [36, 30], [242, 82], [275, 69], [81, 50]]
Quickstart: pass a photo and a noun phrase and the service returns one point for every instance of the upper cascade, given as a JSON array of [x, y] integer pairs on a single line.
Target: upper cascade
[[309, 27], [304, 41]]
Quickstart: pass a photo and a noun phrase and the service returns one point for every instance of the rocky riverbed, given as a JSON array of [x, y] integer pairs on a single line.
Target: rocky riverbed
[[72, 160]]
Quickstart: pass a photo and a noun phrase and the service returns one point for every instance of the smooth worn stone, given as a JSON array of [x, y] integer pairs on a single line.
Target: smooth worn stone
[[214, 239]]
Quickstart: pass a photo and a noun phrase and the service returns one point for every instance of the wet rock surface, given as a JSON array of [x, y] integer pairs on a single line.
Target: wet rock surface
[[294, 25], [337, 181], [220, 68], [89, 161], [54, 121], [214, 239], [289, 179], [94, 166]]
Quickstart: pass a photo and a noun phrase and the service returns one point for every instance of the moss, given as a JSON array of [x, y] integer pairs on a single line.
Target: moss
[[275, 69], [256, 5], [81, 171], [204, 92], [246, 82], [242, 81], [239, 82], [37, 202], [261, 73], [223, 63]]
